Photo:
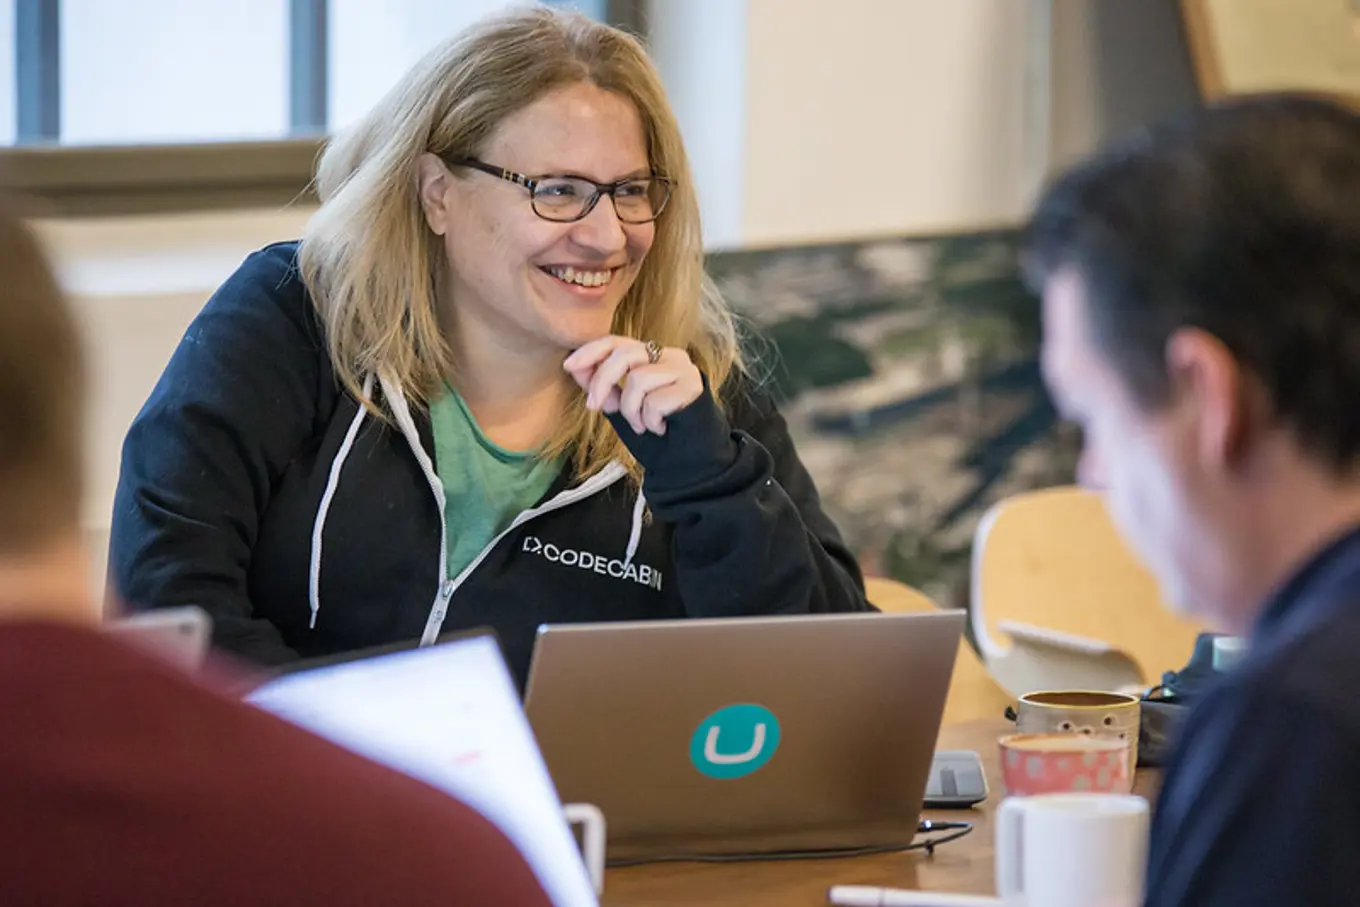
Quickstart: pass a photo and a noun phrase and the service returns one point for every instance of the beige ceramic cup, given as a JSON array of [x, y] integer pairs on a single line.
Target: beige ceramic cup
[[1109, 715]]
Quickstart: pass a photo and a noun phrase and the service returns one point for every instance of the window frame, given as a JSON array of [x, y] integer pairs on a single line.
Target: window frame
[[109, 180]]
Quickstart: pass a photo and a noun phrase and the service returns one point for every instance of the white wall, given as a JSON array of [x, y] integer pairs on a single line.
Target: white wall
[[1115, 66], [808, 120], [869, 116]]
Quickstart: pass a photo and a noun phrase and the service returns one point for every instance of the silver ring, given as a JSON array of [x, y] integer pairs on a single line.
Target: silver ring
[[653, 352]]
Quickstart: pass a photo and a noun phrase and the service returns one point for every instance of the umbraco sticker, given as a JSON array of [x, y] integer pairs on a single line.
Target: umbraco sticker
[[734, 741]]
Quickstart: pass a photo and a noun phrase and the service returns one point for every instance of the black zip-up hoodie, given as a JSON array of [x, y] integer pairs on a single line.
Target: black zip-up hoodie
[[255, 487]]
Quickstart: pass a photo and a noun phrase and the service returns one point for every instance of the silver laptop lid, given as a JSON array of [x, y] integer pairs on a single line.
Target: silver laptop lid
[[745, 735]]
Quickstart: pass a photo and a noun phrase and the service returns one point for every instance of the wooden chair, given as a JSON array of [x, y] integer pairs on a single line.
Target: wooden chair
[[1060, 602], [972, 692]]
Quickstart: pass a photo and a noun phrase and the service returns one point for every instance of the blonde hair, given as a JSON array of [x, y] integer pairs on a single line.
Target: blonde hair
[[372, 264]]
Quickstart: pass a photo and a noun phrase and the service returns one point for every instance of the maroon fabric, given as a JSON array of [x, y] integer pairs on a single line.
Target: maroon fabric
[[123, 782]]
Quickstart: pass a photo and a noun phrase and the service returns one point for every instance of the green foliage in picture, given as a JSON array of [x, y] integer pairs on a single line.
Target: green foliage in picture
[[808, 356]]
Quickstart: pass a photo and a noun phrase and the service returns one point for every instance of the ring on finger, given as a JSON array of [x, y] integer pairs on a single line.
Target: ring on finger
[[653, 352]]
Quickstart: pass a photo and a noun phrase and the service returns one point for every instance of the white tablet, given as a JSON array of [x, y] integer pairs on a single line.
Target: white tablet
[[449, 715]]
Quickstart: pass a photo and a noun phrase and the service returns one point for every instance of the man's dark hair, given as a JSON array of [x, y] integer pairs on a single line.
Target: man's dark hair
[[41, 396], [1241, 219]]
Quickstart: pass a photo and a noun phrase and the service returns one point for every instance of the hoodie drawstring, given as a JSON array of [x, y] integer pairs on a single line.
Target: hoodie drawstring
[[332, 482], [401, 412], [635, 534]]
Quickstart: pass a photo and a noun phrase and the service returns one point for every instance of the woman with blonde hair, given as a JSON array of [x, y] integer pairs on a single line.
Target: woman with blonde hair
[[489, 386]]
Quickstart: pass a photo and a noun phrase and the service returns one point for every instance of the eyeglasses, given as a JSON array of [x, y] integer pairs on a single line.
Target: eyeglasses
[[563, 199]]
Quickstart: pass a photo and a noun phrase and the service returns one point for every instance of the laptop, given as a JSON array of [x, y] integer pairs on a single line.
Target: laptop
[[449, 715], [178, 635], [745, 736]]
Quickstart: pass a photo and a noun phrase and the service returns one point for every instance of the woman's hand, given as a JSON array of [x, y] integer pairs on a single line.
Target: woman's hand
[[641, 382]]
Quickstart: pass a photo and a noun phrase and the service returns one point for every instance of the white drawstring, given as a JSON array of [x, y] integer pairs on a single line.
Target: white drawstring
[[635, 534], [401, 412], [332, 482]]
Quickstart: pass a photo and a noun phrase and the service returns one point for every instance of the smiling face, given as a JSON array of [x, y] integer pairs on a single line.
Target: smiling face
[[516, 279]]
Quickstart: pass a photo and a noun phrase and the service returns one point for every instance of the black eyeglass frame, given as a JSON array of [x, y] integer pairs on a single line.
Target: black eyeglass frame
[[601, 189]]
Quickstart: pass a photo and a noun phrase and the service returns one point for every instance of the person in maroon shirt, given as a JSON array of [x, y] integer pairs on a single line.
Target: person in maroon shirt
[[123, 781]]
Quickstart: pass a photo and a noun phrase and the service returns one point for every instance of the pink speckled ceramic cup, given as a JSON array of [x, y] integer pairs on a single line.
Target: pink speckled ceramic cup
[[1060, 763]]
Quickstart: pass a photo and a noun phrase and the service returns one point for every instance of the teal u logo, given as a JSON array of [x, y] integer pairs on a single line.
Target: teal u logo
[[734, 741]]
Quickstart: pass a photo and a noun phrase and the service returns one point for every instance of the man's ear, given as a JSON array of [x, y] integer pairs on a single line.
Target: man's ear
[[432, 188], [1205, 375]]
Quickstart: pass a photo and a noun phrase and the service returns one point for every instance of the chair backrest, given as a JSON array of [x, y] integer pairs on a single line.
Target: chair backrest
[[1053, 560], [897, 598], [973, 694]]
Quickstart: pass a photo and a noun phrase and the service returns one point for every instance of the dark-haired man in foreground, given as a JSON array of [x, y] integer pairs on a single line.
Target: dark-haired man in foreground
[[1201, 287], [122, 782]]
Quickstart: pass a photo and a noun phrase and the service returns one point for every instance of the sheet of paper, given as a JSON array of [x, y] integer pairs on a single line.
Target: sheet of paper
[[448, 715]]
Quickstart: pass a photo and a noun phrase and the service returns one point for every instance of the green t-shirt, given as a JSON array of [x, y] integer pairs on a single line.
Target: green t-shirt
[[485, 485]]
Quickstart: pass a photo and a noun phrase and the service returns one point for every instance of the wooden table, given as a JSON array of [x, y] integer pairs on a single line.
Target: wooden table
[[963, 866]]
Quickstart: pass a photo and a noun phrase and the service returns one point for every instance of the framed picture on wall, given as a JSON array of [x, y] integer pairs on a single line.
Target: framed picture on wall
[[907, 370], [1243, 46]]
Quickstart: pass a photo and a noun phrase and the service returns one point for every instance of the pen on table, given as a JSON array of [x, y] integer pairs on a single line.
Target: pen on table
[[866, 896]]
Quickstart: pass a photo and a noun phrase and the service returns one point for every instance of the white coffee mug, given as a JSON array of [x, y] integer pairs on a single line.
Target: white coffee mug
[[591, 820], [1071, 850]]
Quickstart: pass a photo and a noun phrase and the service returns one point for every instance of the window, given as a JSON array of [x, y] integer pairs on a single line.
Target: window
[[140, 71], [7, 67], [371, 47], [140, 105]]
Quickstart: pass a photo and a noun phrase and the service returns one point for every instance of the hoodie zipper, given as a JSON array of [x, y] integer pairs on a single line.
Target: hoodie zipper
[[607, 476], [596, 483]]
